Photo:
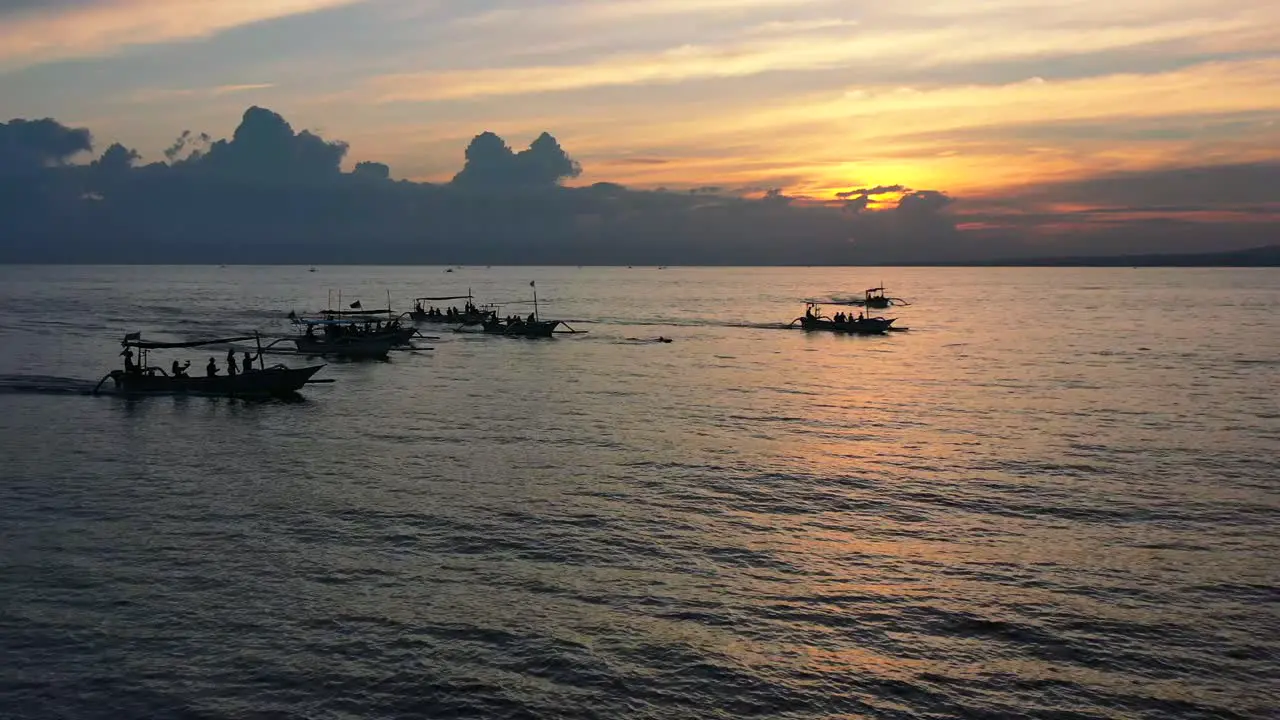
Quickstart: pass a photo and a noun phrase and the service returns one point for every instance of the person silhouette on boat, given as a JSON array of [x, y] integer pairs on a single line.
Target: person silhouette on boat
[[860, 317], [130, 366], [180, 371], [247, 364], [231, 363], [531, 318], [211, 370]]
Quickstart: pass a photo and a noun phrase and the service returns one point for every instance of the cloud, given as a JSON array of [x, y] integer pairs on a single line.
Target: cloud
[[269, 193], [811, 47], [610, 12], [372, 170], [264, 147], [158, 95], [62, 30], [116, 158], [1213, 186], [867, 192], [490, 163], [19, 7], [922, 203], [189, 142], [29, 145]]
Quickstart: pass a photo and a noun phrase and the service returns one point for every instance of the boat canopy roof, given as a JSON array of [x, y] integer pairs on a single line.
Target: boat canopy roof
[[135, 340], [445, 297]]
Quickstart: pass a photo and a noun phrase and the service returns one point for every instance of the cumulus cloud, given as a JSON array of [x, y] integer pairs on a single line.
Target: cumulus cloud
[[269, 193], [117, 158], [490, 162], [27, 145], [265, 147], [372, 170]]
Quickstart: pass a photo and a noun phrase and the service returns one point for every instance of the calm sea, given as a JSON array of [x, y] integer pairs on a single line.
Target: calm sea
[[1057, 495]]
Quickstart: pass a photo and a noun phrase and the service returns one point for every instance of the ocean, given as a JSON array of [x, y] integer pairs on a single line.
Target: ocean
[[1056, 495]]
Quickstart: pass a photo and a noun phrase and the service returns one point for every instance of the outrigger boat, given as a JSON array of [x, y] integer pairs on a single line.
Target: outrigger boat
[[468, 315], [347, 338], [141, 378], [515, 326], [521, 327], [813, 319], [368, 323], [875, 298]]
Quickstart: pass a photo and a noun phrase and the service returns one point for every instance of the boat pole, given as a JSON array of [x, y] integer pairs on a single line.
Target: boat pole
[[533, 285], [258, 337]]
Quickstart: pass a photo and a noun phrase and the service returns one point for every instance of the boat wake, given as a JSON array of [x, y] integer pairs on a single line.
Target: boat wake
[[45, 385], [698, 323]]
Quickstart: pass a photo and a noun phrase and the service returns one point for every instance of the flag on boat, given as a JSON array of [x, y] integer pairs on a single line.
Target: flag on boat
[[133, 336], [531, 284], [355, 305]]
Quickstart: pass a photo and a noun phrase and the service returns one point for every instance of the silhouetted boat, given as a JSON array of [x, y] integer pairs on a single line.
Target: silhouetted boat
[[265, 382], [813, 319], [528, 327], [519, 327], [875, 298], [348, 337], [468, 315], [347, 346]]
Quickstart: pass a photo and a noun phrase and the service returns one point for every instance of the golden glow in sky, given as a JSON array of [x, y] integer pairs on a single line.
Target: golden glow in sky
[[815, 97]]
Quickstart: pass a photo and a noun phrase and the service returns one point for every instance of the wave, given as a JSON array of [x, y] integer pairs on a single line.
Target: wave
[[46, 385]]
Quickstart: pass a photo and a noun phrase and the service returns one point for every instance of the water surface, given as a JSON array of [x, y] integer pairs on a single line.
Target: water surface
[[1055, 496]]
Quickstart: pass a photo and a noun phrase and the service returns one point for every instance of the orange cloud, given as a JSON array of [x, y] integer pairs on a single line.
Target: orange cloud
[[104, 27], [927, 47]]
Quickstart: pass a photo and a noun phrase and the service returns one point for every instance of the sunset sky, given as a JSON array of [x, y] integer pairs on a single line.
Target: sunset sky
[[976, 98]]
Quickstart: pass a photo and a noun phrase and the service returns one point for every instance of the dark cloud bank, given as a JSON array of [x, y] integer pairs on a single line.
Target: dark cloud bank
[[272, 195]]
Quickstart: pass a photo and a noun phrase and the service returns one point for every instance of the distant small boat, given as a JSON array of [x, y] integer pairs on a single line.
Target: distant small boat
[[313, 268], [448, 269], [875, 298]]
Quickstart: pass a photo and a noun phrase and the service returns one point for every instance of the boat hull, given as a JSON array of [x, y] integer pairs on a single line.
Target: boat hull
[[271, 382], [349, 347]]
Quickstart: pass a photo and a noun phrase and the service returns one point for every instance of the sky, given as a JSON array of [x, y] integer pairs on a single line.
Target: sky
[[982, 99]]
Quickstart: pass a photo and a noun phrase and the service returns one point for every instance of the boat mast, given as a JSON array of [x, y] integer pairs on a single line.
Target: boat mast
[[533, 285]]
